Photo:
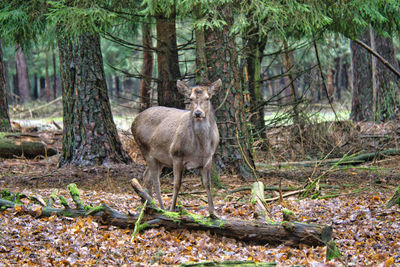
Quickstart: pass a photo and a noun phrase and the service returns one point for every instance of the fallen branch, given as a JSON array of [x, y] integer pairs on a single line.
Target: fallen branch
[[285, 195], [354, 160]]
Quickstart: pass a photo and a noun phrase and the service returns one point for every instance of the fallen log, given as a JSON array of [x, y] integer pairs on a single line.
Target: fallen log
[[268, 232], [289, 233], [22, 145]]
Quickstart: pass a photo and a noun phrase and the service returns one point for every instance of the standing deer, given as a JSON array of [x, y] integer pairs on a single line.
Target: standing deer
[[179, 139]]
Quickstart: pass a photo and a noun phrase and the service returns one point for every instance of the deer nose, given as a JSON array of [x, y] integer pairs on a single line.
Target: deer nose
[[197, 113]]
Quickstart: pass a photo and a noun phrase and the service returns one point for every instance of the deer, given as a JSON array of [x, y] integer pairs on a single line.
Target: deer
[[179, 139]]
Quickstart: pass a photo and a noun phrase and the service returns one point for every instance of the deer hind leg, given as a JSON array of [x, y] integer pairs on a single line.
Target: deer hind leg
[[152, 178], [178, 169], [205, 176]]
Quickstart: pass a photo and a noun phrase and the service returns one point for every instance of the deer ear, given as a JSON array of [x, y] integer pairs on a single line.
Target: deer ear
[[215, 87], [183, 88]]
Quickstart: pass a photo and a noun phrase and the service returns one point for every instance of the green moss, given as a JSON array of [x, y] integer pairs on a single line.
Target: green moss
[[288, 226], [332, 251], [73, 190], [143, 226], [5, 194], [94, 210], [63, 201], [287, 212], [54, 194]]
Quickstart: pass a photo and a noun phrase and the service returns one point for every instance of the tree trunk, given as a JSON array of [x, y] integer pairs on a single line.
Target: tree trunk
[[288, 62], [5, 125], [24, 88], [254, 57], [54, 76], [362, 82], [47, 88], [167, 62], [235, 149], [387, 89], [117, 87], [89, 133], [147, 67], [35, 93]]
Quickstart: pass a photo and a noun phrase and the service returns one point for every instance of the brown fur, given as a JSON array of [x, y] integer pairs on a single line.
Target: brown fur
[[180, 139]]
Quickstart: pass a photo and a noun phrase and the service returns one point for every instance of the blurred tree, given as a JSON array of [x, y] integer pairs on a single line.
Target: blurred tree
[[361, 108], [387, 84], [24, 88], [4, 117], [147, 66]]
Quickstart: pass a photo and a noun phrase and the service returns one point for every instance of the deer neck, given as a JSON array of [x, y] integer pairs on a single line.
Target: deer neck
[[200, 130]]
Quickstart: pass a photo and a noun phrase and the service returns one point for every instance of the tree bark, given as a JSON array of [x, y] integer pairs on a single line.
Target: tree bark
[[24, 88], [361, 109], [47, 88], [147, 67], [89, 134], [54, 76], [117, 86], [254, 57], [5, 125], [167, 62], [375, 92], [387, 89], [235, 149]]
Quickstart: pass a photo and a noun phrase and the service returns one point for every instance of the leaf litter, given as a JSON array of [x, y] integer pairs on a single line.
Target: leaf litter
[[364, 231]]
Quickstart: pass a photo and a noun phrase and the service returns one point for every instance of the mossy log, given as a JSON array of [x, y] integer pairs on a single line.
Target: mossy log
[[21, 145], [395, 199], [258, 232], [289, 233]]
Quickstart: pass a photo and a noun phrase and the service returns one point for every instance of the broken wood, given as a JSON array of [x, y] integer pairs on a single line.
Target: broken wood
[[258, 200], [289, 233], [23, 145]]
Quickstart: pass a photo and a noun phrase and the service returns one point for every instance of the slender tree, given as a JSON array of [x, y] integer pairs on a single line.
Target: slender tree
[[4, 117], [54, 76], [47, 77], [147, 67], [24, 88], [254, 53]]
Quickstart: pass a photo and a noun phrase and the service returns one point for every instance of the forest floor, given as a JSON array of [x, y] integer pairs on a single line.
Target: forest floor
[[352, 201]]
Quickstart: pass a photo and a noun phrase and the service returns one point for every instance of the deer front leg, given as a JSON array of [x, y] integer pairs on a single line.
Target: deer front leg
[[152, 178], [205, 176], [178, 169]]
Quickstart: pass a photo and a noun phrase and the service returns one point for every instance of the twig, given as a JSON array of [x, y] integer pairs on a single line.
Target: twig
[[285, 195]]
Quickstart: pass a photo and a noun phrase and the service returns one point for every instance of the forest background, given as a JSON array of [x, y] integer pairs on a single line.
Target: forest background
[[302, 80]]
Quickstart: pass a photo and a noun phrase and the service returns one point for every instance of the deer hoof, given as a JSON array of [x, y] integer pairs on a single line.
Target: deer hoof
[[213, 216]]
